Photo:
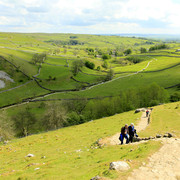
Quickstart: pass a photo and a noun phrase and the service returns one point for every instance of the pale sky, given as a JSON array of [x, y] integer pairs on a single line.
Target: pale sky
[[91, 16]]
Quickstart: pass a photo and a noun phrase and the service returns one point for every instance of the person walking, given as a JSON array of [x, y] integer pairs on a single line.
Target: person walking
[[131, 132], [124, 134], [147, 113]]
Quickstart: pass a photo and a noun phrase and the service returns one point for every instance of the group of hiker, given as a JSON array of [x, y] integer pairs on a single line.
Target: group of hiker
[[128, 132]]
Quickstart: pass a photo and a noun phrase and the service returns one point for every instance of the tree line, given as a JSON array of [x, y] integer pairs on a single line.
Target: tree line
[[67, 113]]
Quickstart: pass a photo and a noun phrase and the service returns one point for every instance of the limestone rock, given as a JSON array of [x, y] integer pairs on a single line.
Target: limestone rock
[[165, 135], [36, 169], [158, 136], [137, 139], [170, 135], [119, 166], [137, 110], [30, 155]]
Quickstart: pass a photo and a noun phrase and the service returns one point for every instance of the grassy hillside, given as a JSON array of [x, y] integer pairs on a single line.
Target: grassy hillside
[[160, 66], [72, 153]]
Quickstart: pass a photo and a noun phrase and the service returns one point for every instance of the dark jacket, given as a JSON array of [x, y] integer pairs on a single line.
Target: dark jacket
[[123, 130], [131, 131]]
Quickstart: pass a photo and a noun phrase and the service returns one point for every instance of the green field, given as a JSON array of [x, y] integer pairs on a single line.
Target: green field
[[73, 85], [20, 48]]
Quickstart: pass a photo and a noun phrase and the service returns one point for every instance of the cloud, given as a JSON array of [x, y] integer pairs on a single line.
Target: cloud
[[95, 16]]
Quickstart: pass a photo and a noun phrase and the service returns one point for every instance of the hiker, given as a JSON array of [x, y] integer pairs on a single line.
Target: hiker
[[124, 134], [147, 113], [131, 132]]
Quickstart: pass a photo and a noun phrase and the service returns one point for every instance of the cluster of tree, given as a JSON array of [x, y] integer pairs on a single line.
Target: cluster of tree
[[134, 59], [60, 42], [73, 37], [26, 123], [38, 58], [156, 47], [54, 51], [91, 51], [83, 111], [73, 42], [106, 54], [149, 42], [89, 65], [67, 113]]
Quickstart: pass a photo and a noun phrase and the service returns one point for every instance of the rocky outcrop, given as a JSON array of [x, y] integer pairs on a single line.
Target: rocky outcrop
[[166, 135], [119, 166]]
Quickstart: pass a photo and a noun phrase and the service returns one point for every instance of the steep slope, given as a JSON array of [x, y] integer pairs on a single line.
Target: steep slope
[[73, 153]]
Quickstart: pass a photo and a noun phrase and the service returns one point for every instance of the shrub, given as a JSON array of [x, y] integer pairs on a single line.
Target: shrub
[[89, 65], [175, 97], [106, 56], [127, 51], [90, 49]]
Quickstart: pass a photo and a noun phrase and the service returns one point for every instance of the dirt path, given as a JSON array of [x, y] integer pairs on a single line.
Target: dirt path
[[163, 165], [114, 140]]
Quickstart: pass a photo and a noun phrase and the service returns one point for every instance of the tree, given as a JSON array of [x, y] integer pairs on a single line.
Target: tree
[[76, 105], [38, 58], [55, 117], [127, 51], [105, 64], [110, 75], [76, 66], [99, 68], [23, 122], [143, 50], [65, 50]]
